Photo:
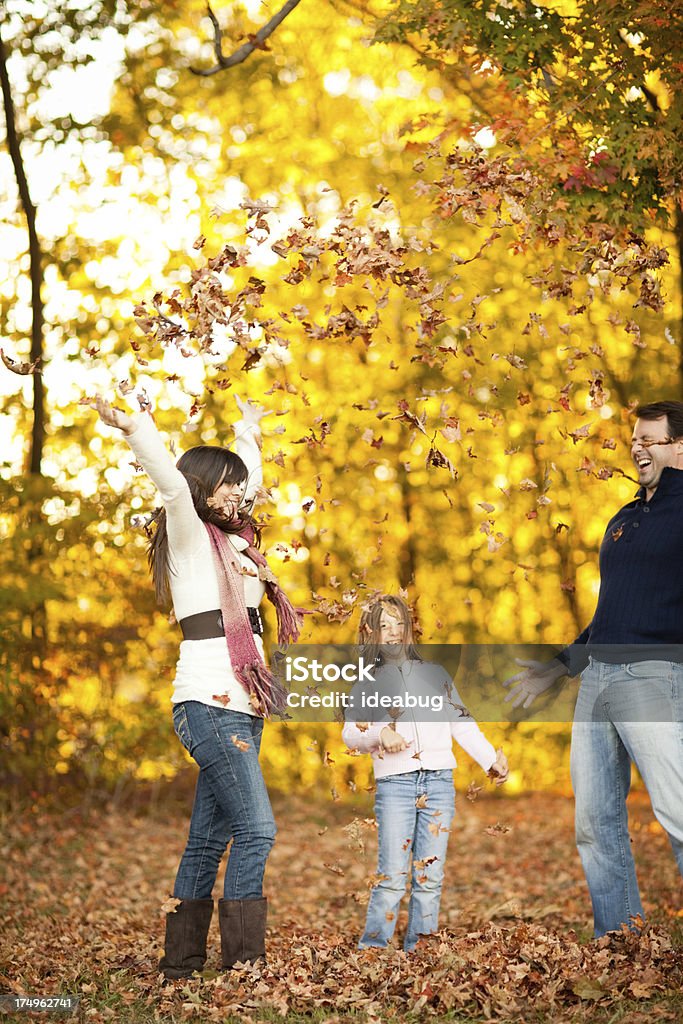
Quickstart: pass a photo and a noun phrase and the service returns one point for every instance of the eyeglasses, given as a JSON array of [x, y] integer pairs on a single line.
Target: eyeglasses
[[650, 444]]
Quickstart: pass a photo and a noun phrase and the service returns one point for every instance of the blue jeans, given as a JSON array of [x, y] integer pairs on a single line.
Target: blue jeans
[[625, 713], [231, 802], [404, 830]]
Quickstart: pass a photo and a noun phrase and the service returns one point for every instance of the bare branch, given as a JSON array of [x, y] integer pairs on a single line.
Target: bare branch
[[255, 42]]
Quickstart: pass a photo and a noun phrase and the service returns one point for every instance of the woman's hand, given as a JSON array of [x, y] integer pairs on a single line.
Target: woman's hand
[[111, 416], [500, 769], [252, 414], [392, 741]]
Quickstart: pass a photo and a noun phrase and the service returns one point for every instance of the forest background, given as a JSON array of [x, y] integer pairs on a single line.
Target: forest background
[[442, 242]]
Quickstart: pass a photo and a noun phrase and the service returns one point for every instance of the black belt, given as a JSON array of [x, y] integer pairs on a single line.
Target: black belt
[[206, 625]]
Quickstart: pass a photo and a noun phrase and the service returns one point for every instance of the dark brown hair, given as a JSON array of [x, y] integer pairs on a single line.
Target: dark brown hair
[[205, 468], [369, 629], [673, 412]]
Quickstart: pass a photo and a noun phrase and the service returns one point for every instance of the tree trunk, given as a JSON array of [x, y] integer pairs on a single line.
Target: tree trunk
[[679, 246], [408, 559], [35, 453], [36, 263]]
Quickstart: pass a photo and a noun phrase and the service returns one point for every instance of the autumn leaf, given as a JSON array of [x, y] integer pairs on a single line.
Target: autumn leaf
[[169, 905], [473, 791], [222, 698], [497, 829], [421, 800], [240, 744], [22, 369], [440, 461], [409, 417], [588, 989]]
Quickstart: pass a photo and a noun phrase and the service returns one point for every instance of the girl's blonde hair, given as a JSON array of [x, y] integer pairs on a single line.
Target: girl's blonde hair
[[369, 627]]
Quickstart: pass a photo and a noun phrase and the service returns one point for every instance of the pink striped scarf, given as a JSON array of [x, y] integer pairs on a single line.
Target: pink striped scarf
[[266, 694]]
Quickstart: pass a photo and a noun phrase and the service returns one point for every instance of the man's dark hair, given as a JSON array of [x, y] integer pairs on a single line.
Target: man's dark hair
[[672, 410]]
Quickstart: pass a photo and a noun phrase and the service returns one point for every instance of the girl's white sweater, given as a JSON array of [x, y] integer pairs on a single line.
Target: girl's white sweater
[[203, 670], [430, 744]]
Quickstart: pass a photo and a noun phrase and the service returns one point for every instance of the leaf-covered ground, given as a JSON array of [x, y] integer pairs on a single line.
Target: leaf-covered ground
[[84, 890]]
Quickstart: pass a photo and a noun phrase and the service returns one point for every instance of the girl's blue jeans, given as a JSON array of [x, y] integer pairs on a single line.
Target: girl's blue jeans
[[414, 812], [231, 802]]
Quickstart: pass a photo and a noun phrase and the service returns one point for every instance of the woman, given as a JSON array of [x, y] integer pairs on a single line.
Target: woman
[[203, 556], [413, 763]]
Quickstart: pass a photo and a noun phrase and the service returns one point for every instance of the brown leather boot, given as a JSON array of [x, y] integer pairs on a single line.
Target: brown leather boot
[[185, 945], [243, 930]]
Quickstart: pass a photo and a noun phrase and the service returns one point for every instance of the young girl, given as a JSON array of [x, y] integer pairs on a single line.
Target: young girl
[[413, 763], [204, 557]]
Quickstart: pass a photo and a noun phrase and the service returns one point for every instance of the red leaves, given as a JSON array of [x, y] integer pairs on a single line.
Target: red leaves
[[597, 172]]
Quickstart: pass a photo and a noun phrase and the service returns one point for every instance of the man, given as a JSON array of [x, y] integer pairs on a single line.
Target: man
[[630, 702]]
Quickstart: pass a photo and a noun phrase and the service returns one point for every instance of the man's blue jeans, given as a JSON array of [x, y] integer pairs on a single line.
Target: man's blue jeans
[[231, 802], [625, 713], [407, 828]]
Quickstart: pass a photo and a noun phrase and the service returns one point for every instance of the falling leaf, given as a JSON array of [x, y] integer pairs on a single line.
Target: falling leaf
[[497, 829], [23, 369], [240, 744], [222, 698], [334, 868], [473, 791], [421, 800]]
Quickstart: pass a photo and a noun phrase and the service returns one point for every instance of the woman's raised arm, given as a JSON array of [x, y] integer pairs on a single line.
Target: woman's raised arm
[[185, 530], [248, 443]]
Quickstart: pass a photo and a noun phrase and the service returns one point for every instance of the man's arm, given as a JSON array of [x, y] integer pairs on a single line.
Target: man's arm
[[574, 656]]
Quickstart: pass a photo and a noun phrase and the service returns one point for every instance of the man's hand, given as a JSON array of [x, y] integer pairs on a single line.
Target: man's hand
[[252, 414], [392, 741], [537, 677], [500, 769], [111, 416]]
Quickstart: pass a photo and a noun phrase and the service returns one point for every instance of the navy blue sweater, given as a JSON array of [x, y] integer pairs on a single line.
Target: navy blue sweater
[[640, 605]]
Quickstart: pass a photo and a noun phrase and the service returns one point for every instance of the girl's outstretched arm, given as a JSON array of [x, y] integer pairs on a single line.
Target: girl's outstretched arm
[[465, 730], [363, 736]]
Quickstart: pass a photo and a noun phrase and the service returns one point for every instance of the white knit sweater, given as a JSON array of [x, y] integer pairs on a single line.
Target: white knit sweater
[[430, 744], [203, 670]]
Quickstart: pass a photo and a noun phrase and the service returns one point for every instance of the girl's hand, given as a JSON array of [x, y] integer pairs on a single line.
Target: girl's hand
[[111, 416], [499, 770], [252, 414], [392, 741]]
